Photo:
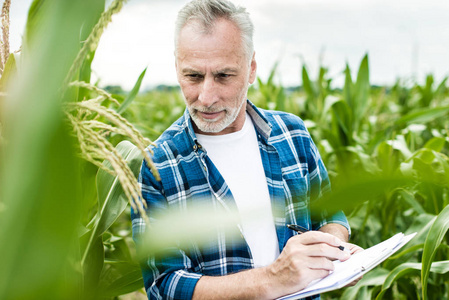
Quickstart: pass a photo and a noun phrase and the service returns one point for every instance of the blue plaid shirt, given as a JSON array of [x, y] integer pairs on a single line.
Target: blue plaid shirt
[[295, 176]]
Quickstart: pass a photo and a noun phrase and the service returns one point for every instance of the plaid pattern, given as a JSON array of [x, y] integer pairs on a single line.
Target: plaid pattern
[[295, 176]]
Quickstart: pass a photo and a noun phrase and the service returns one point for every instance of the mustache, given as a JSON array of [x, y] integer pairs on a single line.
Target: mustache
[[204, 109]]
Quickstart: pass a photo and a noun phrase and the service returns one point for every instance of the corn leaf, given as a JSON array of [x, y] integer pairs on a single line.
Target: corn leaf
[[411, 200], [440, 267], [433, 240], [373, 278], [111, 199], [92, 267], [111, 203], [308, 85], [40, 179], [361, 91], [127, 283], [348, 88], [423, 116], [435, 144], [132, 94], [8, 72], [85, 71]]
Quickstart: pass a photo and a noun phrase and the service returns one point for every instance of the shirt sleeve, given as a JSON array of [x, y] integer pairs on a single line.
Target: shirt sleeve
[[320, 185], [167, 276]]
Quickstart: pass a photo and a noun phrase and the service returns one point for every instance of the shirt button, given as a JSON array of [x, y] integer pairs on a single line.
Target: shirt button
[[195, 147]]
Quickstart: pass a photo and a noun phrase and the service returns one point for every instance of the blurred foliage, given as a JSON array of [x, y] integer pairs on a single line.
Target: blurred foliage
[[56, 209], [64, 222]]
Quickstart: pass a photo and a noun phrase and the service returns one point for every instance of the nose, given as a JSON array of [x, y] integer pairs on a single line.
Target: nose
[[209, 92]]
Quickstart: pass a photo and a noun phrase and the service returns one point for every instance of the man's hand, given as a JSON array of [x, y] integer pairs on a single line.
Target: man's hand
[[305, 258], [353, 249]]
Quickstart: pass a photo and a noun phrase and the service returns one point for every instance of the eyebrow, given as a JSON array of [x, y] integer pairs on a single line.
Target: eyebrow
[[225, 70], [191, 71]]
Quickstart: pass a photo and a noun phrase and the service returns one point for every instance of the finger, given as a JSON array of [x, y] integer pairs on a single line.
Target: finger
[[318, 274], [315, 237], [313, 274], [324, 250], [357, 249], [320, 263], [353, 248]]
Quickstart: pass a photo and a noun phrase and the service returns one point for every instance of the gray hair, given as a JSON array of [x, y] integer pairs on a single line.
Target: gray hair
[[207, 12]]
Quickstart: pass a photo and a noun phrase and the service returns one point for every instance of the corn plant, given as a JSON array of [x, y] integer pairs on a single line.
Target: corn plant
[[47, 191]]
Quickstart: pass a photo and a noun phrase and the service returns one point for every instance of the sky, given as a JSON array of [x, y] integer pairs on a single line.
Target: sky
[[404, 39]]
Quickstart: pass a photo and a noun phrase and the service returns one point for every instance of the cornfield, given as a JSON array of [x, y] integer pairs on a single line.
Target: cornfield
[[71, 151]]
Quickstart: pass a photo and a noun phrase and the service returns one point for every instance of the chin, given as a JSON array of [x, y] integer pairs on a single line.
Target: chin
[[210, 128]]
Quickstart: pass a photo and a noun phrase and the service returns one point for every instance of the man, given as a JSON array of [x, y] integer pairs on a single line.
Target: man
[[226, 152]]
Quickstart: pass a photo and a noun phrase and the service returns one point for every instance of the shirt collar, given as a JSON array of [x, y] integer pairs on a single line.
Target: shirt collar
[[260, 122]]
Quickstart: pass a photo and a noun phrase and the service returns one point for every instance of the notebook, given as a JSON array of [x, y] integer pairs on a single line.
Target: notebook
[[353, 268]]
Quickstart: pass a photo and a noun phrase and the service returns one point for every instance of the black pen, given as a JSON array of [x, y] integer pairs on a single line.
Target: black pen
[[301, 229]]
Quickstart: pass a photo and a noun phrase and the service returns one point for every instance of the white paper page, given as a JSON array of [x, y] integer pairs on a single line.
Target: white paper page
[[357, 265]]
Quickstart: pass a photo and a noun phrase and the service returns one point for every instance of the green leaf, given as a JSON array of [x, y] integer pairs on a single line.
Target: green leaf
[[132, 94], [440, 267], [421, 224], [435, 144], [433, 240], [365, 160], [442, 86], [401, 145], [329, 102], [353, 191], [411, 200], [92, 267], [342, 113], [423, 115], [407, 251], [308, 85], [348, 88], [35, 15], [127, 283], [374, 278], [111, 199], [85, 71], [424, 168], [40, 188], [8, 71], [361, 91], [388, 158]]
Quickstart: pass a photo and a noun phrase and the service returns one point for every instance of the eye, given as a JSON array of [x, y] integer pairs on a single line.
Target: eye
[[223, 75], [194, 76]]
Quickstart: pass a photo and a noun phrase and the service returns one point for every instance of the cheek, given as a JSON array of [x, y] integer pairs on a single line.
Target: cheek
[[189, 91], [241, 91]]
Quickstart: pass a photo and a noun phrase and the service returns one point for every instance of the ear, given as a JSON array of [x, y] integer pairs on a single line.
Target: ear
[[253, 69]]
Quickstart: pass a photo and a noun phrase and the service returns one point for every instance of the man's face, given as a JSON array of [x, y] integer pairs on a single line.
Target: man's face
[[214, 74]]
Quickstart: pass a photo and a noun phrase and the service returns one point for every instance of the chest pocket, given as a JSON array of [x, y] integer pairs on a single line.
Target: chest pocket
[[297, 201]]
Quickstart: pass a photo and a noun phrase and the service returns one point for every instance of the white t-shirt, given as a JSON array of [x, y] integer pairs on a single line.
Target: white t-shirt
[[237, 157]]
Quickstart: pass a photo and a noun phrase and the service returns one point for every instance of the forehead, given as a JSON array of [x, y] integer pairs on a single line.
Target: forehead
[[222, 42]]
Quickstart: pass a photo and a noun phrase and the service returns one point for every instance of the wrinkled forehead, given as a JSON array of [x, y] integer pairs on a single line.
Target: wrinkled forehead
[[221, 34]]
